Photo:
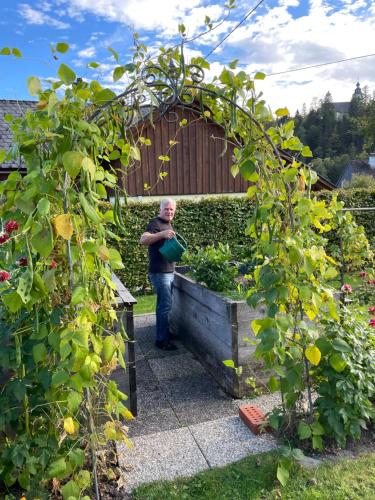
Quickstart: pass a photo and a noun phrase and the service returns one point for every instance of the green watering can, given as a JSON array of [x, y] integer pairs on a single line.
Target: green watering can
[[172, 249]]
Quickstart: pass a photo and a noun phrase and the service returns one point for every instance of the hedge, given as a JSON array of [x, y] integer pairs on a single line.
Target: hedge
[[209, 221]]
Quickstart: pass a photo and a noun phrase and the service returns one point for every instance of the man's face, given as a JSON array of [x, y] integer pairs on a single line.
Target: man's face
[[167, 212]]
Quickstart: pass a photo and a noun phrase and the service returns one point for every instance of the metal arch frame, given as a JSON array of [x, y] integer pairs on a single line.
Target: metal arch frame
[[164, 89]]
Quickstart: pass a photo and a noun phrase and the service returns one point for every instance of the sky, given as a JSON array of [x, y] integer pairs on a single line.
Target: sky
[[279, 36]]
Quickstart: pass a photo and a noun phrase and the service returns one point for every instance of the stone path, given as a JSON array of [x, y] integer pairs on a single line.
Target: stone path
[[185, 422]]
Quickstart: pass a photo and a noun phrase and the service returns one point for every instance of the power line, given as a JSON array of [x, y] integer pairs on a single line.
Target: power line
[[234, 29], [319, 65]]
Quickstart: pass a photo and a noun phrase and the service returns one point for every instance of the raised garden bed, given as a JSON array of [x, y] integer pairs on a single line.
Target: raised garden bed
[[214, 328]]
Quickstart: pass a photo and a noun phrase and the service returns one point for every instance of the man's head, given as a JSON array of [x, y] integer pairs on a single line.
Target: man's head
[[167, 209]]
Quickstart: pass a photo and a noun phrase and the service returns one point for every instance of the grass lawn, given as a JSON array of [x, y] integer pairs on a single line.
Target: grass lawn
[[254, 478], [145, 304]]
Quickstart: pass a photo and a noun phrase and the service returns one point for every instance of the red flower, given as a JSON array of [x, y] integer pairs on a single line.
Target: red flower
[[372, 322], [371, 310], [22, 261], [11, 226], [362, 274], [53, 265], [3, 238], [4, 275], [346, 288]]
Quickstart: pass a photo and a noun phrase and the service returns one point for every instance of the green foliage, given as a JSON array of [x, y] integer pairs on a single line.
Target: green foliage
[[361, 182], [212, 266]]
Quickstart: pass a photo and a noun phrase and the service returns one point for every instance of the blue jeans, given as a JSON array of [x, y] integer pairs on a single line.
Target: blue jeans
[[162, 284]]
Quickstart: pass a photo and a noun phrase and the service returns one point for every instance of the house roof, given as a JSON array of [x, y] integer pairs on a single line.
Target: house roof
[[341, 107], [16, 109]]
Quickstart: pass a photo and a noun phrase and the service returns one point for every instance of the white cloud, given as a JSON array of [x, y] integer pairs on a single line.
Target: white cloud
[[33, 16], [87, 53]]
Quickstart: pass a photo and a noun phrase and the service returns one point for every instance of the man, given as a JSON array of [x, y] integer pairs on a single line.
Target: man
[[160, 270]]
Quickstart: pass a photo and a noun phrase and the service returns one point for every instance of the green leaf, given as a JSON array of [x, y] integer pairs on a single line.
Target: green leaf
[[43, 242], [25, 284], [72, 161], [2, 155], [109, 348], [62, 47], [115, 259], [259, 76], [59, 378], [306, 152], [317, 429], [83, 479], [247, 169], [57, 468], [118, 73], [104, 96], [317, 442], [273, 384], [341, 345], [337, 362], [78, 295], [5, 51], [16, 52], [43, 206], [93, 64], [233, 63], [74, 400], [12, 301], [77, 457], [304, 431], [114, 53], [66, 74], [33, 85], [282, 474], [229, 363], [70, 489], [39, 352]]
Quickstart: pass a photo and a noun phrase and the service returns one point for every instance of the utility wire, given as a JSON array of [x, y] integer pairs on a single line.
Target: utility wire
[[319, 65], [234, 29]]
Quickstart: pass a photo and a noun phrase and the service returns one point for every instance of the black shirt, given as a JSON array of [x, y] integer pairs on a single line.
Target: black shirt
[[157, 263]]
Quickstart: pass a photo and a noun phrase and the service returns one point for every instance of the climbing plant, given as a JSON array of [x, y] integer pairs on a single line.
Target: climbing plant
[[57, 295]]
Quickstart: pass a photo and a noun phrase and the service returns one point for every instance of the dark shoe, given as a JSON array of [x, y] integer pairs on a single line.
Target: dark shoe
[[165, 345]]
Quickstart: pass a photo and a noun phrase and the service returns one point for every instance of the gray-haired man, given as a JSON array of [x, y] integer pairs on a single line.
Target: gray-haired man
[[160, 270]]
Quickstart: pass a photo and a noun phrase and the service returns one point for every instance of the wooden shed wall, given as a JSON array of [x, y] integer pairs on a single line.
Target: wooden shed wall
[[196, 165]]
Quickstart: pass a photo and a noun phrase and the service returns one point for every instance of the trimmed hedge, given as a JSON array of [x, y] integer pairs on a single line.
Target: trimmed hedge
[[201, 223], [210, 221]]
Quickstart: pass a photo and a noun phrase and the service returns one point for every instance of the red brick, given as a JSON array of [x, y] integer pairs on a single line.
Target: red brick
[[253, 417]]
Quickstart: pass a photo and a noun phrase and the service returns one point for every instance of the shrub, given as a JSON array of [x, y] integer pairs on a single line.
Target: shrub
[[212, 266]]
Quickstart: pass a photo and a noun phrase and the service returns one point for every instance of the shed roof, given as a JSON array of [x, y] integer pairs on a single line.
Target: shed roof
[[16, 109]]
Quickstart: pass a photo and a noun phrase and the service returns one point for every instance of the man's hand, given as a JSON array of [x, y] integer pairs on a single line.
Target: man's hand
[[151, 238], [168, 234]]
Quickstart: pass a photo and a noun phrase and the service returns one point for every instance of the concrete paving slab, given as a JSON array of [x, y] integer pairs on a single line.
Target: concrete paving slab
[[171, 367], [266, 403], [193, 388], [203, 410], [227, 440], [151, 400], [163, 419], [164, 455], [145, 333], [151, 352]]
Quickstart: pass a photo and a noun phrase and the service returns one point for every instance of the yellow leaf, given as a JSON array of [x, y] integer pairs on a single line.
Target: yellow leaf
[[69, 425], [103, 253], [313, 354], [310, 313], [255, 326], [63, 226], [128, 414], [207, 113]]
